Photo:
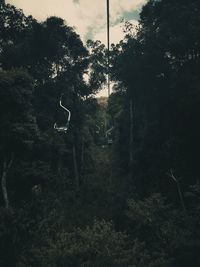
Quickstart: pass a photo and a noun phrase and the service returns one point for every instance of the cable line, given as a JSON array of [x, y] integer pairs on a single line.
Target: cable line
[[108, 45]]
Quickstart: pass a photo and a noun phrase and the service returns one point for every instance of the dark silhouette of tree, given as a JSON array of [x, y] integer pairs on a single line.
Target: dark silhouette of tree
[[73, 198]]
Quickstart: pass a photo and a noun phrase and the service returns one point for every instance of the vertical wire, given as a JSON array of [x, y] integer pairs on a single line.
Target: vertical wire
[[108, 46]]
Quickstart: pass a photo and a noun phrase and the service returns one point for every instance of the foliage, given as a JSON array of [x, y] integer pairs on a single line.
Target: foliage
[[74, 200]]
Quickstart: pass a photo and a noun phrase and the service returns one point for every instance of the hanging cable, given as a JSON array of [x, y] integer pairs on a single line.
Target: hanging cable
[[108, 46]]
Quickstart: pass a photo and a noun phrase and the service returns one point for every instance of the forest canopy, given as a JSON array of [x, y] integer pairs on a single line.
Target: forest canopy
[[120, 185]]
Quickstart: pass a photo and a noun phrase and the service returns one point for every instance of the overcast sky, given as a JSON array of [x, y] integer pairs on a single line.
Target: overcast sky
[[87, 16]]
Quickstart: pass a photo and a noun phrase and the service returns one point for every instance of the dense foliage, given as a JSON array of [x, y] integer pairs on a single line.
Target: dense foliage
[[86, 198]]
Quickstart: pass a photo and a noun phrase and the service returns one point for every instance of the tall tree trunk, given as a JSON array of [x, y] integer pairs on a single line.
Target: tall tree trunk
[[76, 172], [82, 157], [6, 167], [131, 137]]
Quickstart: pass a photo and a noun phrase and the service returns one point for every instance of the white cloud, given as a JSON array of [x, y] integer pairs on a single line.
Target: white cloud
[[88, 16], [116, 33]]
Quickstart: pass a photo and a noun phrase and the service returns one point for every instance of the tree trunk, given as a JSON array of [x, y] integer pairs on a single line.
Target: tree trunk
[[180, 196], [82, 157], [6, 167], [76, 172], [131, 137]]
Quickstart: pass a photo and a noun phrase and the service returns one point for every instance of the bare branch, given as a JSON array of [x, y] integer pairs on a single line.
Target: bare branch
[[6, 167], [11, 161], [171, 175]]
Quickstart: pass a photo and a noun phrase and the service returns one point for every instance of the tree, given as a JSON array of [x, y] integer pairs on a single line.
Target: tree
[[159, 77], [18, 124]]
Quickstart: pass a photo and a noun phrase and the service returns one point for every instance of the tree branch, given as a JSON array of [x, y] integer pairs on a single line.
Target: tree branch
[[171, 175], [6, 167]]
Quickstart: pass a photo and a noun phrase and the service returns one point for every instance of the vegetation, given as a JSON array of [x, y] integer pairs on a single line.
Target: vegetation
[[86, 198]]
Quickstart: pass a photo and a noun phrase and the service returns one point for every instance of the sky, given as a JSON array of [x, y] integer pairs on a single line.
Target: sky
[[88, 17]]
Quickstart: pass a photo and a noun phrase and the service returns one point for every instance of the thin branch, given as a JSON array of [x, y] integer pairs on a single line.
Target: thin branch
[[6, 167], [11, 161], [171, 175]]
